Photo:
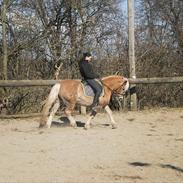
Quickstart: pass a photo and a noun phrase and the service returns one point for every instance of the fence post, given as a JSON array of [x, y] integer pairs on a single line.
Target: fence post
[[131, 41]]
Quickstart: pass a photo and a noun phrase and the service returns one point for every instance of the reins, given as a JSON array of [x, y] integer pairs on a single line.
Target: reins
[[113, 91]]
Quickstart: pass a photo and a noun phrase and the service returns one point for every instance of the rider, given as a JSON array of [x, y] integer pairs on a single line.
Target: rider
[[90, 77]]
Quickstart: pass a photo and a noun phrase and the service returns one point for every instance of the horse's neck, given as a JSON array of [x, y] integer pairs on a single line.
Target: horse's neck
[[109, 82]]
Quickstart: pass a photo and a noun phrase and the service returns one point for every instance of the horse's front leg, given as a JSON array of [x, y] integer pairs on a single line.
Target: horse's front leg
[[109, 112], [92, 115]]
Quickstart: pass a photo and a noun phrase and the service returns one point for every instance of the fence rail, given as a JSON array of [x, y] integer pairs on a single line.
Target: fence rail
[[24, 83], [157, 80]]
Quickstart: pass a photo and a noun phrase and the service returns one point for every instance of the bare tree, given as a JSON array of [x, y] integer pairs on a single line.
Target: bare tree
[[4, 31]]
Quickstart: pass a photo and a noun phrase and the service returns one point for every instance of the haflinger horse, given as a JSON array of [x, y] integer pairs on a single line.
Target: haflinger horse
[[71, 92]]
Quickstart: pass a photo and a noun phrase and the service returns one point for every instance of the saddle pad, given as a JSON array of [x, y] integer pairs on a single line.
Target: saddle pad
[[88, 90]]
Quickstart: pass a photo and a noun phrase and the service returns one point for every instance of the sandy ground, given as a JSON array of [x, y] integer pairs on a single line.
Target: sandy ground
[[147, 147]]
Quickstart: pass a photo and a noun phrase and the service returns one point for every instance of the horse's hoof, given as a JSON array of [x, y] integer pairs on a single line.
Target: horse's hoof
[[114, 126], [48, 126], [42, 126], [74, 125], [86, 127]]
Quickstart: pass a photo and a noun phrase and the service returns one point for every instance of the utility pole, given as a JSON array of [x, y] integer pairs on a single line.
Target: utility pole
[[131, 52]]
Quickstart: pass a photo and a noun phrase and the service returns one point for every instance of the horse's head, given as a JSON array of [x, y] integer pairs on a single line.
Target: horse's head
[[117, 84], [122, 85]]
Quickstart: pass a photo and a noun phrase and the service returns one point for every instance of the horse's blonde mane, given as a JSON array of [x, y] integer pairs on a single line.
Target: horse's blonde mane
[[109, 77]]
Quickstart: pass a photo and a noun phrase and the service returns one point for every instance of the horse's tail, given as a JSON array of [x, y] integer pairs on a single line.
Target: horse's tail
[[49, 102]]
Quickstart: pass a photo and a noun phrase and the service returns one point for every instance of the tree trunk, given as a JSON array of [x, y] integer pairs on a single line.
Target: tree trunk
[[5, 45]]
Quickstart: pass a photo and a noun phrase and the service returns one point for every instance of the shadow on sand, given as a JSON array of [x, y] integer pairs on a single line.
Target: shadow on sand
[[64, 122], [172, 167], [139, 164], [169, 166]]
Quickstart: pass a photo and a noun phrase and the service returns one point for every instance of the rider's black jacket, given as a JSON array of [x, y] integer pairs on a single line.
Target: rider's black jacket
[[86, 70]]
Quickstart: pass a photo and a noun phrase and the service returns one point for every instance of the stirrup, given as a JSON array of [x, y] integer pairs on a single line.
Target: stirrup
[[96, 107]]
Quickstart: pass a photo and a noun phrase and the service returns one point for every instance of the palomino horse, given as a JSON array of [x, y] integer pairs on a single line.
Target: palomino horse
[[71, 93]]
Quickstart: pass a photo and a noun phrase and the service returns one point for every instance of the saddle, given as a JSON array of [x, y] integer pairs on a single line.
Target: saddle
[[88, 91]]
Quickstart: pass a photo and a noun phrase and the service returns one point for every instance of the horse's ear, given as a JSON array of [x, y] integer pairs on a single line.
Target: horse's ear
[[116, 73]]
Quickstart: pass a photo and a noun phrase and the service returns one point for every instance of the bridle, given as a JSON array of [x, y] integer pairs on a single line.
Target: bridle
[[114, 91]]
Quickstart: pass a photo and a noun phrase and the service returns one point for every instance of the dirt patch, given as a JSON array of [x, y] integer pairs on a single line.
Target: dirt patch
[[146, 147]]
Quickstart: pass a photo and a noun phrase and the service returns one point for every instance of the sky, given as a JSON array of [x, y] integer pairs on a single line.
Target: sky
[[124, 6]]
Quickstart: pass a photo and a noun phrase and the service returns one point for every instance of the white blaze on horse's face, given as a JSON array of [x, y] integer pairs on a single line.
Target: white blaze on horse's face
[[125, 87]]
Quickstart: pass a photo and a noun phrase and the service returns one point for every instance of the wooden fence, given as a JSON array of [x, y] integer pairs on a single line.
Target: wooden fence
[[157, 80], [24, 83], [29, 83]]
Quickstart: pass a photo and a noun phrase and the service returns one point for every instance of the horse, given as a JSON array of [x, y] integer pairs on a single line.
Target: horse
[[71, 92]]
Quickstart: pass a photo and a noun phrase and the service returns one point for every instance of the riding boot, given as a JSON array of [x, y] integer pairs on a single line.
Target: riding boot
[[95, 103]]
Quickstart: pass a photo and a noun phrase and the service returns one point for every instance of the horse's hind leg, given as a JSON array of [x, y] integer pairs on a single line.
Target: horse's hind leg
[[109, 112], [52, 113], [68, 112], [49, 102]]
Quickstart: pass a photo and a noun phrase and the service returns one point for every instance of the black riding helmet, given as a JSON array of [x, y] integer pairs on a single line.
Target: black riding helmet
[[87, 54]]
